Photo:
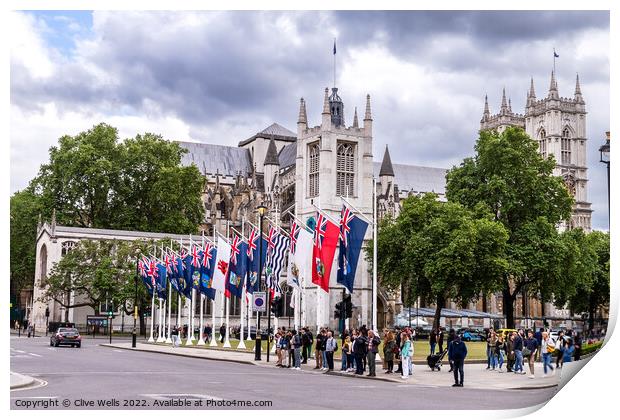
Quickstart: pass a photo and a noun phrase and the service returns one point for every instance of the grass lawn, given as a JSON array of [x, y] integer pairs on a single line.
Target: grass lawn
[[475, 350]]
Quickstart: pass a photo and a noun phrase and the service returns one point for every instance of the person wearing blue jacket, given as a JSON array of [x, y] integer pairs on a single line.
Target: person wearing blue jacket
[[457, 351]]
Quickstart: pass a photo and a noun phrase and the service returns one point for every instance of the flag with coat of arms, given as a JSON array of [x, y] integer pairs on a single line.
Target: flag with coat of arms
[[238, 266], [352, 232], [220, 271], [323, 251]]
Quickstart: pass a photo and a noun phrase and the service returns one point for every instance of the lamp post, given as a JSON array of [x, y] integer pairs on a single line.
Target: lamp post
[[261, 213], [135, 304], [604, 150]]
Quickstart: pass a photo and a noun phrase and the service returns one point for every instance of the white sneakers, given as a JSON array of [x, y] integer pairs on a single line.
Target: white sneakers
[[531, 376]]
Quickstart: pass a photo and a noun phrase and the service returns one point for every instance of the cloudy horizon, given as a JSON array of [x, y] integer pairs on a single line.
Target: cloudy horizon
[[220, 77]]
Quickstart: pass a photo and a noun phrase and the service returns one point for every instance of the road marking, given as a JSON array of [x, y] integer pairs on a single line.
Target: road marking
[[21, 355], [363, 386], [39, 383], [164, 397], [35, 355], [20, 351], [119, 351]]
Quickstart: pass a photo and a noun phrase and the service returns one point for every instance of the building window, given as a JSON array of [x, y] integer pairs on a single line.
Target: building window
[[313, 169], [66, 247], [565, 147], [345, 169], [287, 297], [542, 143]]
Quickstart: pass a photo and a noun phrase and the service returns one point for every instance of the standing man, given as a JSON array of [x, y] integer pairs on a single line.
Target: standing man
[[318, 352], [223, 333], [331, 345], [432, 339], [373, 349], [440, 339], [518, 349], [457, 353], [360, 348]]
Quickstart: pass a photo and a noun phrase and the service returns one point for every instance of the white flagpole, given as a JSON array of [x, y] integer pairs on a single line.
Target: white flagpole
[[151, 340], [213, 342], [190, 328], [227, 333], [160, 335], [201, 340], [374, 255], [169, 299], [243, 306]]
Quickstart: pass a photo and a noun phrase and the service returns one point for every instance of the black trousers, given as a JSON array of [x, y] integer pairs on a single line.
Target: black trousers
[[390, 365], [330, 359], [359, 366], [458, 370]]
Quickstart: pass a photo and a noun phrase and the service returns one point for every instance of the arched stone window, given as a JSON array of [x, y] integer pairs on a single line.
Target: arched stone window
[[67, 246], [565, 147], [287, 296], [542, 143], [345, 169], [313, 169], [43, 265]]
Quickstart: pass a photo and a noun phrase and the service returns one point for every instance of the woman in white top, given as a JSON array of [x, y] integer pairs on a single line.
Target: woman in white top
[[547, 347]]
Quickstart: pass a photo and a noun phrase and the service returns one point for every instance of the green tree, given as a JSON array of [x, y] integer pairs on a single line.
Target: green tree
[[440, 251], [24, 213], [510, 177]]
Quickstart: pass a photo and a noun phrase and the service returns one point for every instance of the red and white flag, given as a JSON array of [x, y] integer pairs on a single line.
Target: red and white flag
[[222, 263], [325, 242]]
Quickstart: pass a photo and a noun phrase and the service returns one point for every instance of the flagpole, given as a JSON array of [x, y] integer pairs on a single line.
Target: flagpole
[[190, 330], [248, 310], [201, 341], [374, 255], [213, 341], [241, 342], [359, 212], [169, 299], [151, 340], [301, 223], [282, 231], [227, 299], [325, 214]]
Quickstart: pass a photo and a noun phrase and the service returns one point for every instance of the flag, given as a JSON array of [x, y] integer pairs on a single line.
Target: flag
[[161, 281], [238, 266], [555, 55], [143, 265], [352, 232], [171, 269], [188, 275], [196, 258], [334, 46], [253, 283], [206, 270], [300, 257], [277, 245], [218, 281], [324, 248]]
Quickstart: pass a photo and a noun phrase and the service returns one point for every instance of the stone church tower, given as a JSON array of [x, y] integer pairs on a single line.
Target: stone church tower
[[559, 126], [335, 161]]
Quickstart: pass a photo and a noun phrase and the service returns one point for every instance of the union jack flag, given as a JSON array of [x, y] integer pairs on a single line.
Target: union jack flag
[[252, 243], [195, 257], [345, 228], [319, 231], [295, 228], [234, 250], [271, 239], [142, 268], [168, 263], [152, 272], [207, 254]]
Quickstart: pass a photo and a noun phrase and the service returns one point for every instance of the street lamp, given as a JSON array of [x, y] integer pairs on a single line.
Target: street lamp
[[605, 157], [257, 352]]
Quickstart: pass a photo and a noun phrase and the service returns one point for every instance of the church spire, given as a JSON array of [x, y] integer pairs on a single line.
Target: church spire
[[578, 97], [486, 114], [532, 93], [303, 118], [355, 124], [553, 87], [386, 164], [271, 158]]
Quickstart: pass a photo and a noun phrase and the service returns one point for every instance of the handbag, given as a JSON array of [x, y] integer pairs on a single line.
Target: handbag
[[526, 352]]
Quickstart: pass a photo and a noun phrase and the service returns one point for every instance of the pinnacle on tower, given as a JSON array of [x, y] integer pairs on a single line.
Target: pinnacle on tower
[[509, 106], [532, 94], [271, 158], [577, 86], [553, 87], [368, 115], [504, 107], [355, 125], [486, 114], [326, 102], [303, 118], [386, 164]]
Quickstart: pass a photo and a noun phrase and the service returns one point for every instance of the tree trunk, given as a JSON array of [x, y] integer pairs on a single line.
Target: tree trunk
[[484, 303], [508, 302], [441, 302]]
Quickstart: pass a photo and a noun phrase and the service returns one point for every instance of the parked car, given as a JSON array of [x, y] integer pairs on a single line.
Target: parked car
[[70, 336], [469, 335], [505, 331]]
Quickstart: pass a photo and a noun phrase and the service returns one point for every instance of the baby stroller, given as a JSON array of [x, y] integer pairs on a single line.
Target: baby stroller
[[434, 360]]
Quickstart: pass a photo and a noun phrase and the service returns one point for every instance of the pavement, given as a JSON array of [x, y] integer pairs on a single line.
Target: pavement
[[19, 381], [476, 375], [120, 378]]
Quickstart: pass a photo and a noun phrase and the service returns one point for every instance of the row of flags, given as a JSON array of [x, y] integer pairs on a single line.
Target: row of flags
[[233, 264]]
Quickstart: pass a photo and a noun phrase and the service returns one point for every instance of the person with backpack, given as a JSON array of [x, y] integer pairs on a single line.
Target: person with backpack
[[547, 347], [331, 345], [296, 344], [458, 353]]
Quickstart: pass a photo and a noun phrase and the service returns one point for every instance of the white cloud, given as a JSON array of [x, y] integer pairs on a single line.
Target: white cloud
[[27, 46]]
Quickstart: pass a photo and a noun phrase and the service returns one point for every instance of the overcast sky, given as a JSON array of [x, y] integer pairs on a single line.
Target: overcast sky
[[220, 77]]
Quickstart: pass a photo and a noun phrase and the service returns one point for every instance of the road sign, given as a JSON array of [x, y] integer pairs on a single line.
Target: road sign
[[100, 320], [259, 301]]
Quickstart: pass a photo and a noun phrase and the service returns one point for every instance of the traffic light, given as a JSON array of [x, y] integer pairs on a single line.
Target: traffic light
[[348, 307], [110, 313], [339, 312], [277, 307]]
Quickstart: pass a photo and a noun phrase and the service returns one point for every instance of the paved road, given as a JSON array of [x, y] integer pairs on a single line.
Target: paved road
[[98, 373]]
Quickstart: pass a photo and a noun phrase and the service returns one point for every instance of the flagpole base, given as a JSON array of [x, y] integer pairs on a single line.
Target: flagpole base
[[201, 342], [189, 341], [213, 343], [161, 340], [227, 344], [241, 344], [168, 340], [150, 340]]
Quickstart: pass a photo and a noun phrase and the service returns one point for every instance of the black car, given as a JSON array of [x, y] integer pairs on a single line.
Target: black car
[[69, 336]]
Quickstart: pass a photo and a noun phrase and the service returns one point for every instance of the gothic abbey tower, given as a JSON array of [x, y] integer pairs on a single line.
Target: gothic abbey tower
[[559, 126], [335, 161]]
